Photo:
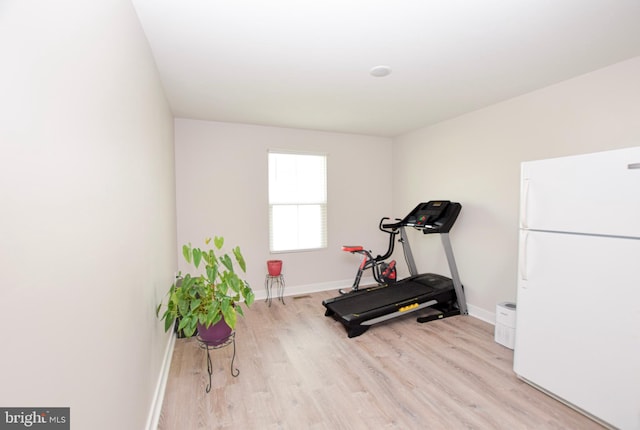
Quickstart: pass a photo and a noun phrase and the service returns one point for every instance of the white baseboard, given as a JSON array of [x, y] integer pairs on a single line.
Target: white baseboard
[[482, 314], [299, 290], [158, 395]]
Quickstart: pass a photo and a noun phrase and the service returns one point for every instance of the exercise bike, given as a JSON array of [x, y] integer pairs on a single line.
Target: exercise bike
[[384, 273]]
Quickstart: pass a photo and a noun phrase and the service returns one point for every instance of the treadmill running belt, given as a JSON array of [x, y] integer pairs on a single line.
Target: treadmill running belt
[[378, 297]]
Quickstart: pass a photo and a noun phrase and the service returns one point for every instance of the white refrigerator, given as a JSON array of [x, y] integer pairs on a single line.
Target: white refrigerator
[[578, 301]]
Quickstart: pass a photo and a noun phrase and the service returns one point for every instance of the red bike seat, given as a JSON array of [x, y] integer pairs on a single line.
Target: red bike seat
[[352, 248]]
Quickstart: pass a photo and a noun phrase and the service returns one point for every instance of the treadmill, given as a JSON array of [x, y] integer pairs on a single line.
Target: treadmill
[[441, 296]]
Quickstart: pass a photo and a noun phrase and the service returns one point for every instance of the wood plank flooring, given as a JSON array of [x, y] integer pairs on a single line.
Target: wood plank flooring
[[298, 370]]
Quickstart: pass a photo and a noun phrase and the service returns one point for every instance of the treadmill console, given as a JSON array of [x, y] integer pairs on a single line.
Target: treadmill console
[[436, 216]]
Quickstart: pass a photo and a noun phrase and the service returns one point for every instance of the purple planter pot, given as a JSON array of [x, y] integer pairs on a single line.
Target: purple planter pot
[[217, 334]]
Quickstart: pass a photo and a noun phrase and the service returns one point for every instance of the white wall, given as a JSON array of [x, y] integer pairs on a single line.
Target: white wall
[[221, 177], [87, 215], [475, 159]]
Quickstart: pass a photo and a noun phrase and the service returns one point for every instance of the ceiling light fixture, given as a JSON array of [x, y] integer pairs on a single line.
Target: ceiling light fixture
[[380, 71]]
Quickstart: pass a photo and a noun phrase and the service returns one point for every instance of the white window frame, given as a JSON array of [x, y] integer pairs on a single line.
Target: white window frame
[[292, 202]]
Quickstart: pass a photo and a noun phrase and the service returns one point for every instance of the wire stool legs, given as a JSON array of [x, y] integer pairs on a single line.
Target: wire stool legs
[[269, 281]]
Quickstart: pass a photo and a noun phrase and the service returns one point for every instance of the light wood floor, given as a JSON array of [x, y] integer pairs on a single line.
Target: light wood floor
[[298, 370]]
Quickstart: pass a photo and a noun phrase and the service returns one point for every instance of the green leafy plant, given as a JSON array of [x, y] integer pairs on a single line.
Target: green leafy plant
[[208, 297]]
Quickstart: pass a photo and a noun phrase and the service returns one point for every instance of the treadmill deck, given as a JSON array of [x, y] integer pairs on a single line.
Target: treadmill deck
[[355, 309]]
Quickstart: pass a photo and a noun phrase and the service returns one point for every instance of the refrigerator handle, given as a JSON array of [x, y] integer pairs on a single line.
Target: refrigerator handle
[[633, 166], [524, 205], [523, 256]]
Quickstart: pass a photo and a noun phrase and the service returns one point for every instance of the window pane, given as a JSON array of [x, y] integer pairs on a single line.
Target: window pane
[[309, 218], [295, 178], [311, 179], [296, 227], [284, 227]]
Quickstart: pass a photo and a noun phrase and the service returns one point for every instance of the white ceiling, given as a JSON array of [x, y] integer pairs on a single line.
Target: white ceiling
[[305, 63]]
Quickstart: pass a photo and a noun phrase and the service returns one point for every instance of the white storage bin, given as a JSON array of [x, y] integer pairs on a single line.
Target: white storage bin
[[505, 331]]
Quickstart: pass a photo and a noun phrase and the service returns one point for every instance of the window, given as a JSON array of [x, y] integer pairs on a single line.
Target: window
[[297, 201]]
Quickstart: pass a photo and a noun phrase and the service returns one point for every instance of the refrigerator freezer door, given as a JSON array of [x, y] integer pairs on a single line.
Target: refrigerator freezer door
[[578, 322], [594, 193]]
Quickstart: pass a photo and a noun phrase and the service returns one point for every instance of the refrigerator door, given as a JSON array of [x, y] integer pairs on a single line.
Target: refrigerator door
[[578, 322], [594, 193]]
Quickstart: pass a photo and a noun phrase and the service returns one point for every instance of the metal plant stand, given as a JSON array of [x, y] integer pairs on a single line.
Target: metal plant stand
[[269, 281], [209, 346]]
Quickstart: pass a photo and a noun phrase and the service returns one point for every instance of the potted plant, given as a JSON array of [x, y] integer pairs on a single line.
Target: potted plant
[[210, 299]]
